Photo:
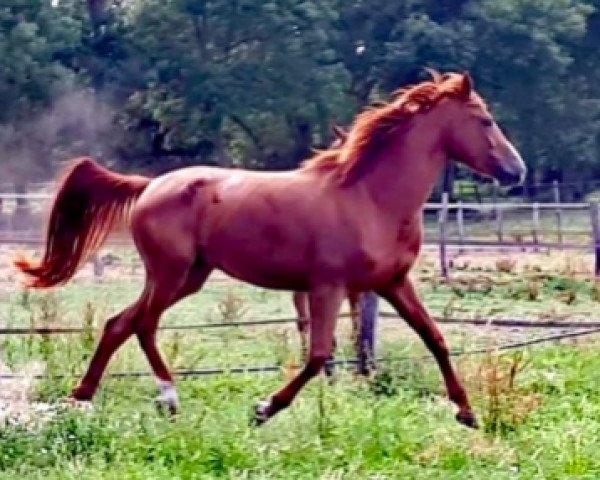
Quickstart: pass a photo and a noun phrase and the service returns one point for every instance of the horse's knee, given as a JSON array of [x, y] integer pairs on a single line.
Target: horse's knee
[[120, 326], [303, 324], [146, 336]]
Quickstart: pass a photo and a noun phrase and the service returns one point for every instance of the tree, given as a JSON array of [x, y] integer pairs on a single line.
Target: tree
[[33, 36], [523, 64], [157, 84], [227, 81]]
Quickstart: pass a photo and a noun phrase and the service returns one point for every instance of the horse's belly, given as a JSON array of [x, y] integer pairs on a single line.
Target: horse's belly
[[259, 260], [279, 280], [266, 274]]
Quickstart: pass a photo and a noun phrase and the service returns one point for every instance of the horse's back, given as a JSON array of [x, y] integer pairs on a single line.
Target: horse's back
[[229, 217]]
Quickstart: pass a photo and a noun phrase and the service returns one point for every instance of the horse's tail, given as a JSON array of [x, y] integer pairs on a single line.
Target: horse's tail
[[90, 203]]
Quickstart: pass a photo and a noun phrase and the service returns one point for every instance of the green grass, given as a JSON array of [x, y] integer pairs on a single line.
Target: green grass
[[546, 424], [342, 430]]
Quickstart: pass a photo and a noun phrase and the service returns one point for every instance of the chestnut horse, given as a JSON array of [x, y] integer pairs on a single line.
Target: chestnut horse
[[348, 220]]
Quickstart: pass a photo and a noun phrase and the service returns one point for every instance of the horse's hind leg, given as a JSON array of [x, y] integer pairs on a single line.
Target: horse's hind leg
[[116, 331], [146, 333], [324, 308], [160, 292]]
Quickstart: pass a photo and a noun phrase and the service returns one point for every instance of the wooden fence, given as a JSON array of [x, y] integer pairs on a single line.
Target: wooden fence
[[589, 239], [495, 222]]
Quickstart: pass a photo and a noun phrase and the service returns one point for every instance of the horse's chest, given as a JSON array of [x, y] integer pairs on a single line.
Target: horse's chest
[[390, 250], [398, 241]]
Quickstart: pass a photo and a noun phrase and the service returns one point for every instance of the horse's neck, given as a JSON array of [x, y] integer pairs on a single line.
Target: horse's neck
[[404, 174]]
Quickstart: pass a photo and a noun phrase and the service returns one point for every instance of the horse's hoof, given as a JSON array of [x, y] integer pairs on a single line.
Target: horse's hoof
[[468, 419], [81, 394], [166, 407], [261, 413]]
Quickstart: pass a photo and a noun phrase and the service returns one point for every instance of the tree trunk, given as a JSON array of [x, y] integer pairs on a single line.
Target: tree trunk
[[302, 137], [96, 11]]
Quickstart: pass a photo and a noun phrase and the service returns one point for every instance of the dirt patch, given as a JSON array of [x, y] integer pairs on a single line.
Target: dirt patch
[[16, 394]]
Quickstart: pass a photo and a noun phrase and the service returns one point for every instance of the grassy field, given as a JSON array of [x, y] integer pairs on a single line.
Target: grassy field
[[539, 408]]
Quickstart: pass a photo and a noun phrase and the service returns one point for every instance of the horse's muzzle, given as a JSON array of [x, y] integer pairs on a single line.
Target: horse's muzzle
[[510, 177], [510, 170]]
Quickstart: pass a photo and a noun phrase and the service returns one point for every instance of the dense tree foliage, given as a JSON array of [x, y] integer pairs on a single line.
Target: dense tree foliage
[[156, 84]]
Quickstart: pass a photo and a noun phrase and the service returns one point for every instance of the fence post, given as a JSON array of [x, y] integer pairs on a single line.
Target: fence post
[[98, 265], [442, 220], [460, 220], [369, 303], [535, 228], [596, 235], [2, 219], [556, 190], [499, 218], [495, 188]]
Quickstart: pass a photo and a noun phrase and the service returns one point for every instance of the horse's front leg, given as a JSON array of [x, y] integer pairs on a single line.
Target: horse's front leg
[[354, 300], [325, 304], [405, 300]]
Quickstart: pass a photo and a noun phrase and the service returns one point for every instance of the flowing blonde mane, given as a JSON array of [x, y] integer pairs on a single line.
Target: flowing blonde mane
[[373, 125]]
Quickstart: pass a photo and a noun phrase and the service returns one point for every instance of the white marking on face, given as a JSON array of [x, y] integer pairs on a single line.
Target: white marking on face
[[520, 164], [516, 153]]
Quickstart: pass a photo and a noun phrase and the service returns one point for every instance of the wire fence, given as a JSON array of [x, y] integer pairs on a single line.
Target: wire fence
[[344, 363], [575, 329], [477, 322]]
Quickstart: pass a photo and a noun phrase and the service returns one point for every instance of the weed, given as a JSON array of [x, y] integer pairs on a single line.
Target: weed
[[231, 307], [25, 298], [533, 290], [595, 294], [88, 334], [505, 403], [174, 348], [384, 383], [506, 265]]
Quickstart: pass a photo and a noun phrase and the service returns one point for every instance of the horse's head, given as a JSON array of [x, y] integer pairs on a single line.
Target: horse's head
[[475, 139]]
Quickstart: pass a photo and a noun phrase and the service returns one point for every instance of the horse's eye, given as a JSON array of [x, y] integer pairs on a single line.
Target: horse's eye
[[487, 122]]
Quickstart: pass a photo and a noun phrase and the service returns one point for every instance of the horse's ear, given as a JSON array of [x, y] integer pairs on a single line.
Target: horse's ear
[[339, 132], [435, 75], [466, 85]]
